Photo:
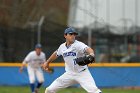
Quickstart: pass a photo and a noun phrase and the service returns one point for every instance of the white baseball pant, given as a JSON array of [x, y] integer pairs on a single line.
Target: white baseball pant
[[35, 73], [84, 78]]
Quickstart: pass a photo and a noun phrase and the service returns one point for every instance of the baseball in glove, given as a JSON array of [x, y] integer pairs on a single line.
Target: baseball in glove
[[81, 61]]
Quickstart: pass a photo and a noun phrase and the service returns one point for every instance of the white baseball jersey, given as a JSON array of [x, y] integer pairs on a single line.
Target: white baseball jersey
[[34, 60], [74, 73], [75, 50]]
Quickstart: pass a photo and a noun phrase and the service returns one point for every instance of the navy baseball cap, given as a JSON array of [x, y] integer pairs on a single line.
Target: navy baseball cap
[[70, 30], [38, 46]]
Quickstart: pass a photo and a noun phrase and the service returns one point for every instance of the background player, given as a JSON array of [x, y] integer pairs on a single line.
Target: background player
[[35, 60], [70, 50]]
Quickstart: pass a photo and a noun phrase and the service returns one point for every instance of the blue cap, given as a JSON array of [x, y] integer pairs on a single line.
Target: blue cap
[[70, 30], [38, 46]]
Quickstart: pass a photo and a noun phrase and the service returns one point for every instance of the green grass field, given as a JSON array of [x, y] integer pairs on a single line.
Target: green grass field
[[8, 89]]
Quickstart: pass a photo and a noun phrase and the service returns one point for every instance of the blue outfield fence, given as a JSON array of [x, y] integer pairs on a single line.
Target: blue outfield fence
[[104, 75]]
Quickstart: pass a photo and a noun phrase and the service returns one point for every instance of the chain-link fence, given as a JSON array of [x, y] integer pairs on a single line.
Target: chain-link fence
[[19, 21]]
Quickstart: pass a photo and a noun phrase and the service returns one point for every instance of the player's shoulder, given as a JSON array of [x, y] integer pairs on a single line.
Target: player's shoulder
[[79, 42], [42, 53], [62, 45], [31, 53]]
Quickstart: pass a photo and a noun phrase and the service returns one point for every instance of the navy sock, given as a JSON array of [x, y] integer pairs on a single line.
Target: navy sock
[[32, 86], [39, 85]]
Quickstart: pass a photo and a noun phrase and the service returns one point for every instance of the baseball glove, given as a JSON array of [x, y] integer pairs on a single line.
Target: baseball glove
[[81, 61]]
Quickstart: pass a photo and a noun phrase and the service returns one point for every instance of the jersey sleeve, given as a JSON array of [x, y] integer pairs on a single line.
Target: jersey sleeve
[[58, 51], [44, 58], [27, 58], [82, 47]]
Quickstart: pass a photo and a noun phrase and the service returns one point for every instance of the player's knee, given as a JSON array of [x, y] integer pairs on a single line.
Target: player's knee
[[41, 81]]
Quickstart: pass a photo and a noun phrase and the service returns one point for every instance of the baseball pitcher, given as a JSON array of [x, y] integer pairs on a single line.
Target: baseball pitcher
[[77, 56]]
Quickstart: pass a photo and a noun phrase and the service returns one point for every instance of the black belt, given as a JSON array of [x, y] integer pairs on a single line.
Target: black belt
[[83, 70]]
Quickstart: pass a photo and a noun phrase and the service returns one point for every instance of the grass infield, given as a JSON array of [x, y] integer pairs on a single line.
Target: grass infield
[[25, 89]]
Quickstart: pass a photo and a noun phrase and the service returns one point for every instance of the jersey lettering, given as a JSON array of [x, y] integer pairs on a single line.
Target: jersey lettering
[[38, 60], [69, 54]]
